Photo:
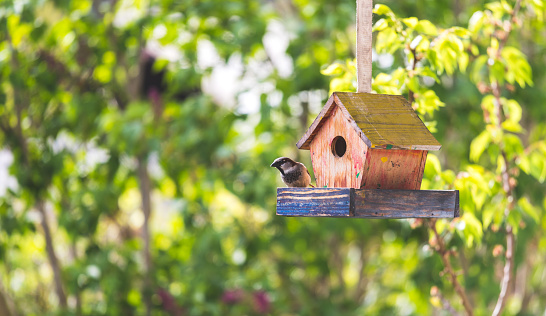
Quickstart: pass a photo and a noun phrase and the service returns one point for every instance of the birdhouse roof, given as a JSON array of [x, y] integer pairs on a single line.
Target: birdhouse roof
[[381, 120]]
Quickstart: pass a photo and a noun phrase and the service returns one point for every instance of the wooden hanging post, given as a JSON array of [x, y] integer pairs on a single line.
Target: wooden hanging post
[[368, 153], [364, 39]]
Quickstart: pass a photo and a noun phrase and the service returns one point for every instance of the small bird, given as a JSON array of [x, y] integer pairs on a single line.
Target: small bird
[[294, 174]]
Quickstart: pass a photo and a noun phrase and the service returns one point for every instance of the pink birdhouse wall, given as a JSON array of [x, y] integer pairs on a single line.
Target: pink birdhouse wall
[[342, 167]]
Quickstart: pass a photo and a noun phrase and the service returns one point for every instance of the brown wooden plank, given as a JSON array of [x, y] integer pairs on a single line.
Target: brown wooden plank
[[457, 210], [421, 170], [364, 43], [363, 203], [406, 203]]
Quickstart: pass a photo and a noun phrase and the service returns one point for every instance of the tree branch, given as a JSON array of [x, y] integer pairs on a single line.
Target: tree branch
[[507, 272], [6, 305], [505, 176], [508, 30], [445, 254], [360, 291], [446, 305], [78, 296], [83, 81], [336, 261], [21, 102], [144, 183], [18, 103], [145, 190], [52, 256], [509, 255]]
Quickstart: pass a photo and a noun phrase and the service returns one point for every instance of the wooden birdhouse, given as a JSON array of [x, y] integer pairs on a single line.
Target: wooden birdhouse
[[368, 141], [368, 153]]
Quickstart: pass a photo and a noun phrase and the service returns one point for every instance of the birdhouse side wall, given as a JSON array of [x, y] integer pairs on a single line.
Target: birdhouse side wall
[[338, 172], [394, 169]]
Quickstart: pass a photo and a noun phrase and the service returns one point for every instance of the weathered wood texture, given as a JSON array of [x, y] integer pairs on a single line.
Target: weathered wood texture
[[337, 172], [361, 167], [406, 203], [393, 169], [314, 202], [364, 13], [381, 120], [353, 203]]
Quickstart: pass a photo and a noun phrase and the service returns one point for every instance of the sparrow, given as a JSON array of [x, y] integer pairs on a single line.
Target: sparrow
[[294, 174]]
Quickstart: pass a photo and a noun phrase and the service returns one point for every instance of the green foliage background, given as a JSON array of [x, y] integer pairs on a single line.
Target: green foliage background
[[88, 149]]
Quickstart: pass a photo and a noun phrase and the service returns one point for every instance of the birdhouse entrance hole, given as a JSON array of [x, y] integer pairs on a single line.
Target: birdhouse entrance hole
[[339, 146]]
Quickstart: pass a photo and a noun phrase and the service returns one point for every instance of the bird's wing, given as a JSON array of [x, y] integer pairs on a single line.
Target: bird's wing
[[309, 177]]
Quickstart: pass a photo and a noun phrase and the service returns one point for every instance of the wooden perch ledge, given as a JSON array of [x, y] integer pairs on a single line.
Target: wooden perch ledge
[[364, 203]]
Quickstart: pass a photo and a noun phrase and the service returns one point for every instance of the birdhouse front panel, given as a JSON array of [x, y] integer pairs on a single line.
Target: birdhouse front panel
[[394, 169], [338, 153]]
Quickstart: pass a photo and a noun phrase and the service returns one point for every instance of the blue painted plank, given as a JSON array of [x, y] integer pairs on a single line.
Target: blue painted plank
[[314, 202]]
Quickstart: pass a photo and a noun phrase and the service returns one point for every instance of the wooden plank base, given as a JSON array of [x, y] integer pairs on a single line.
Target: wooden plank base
[[364, 203], [314, 202]]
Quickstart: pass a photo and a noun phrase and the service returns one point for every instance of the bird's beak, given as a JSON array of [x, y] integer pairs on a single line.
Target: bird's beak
[[275, 164]]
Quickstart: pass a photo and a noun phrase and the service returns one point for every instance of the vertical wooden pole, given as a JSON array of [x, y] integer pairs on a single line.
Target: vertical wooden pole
[[364, 12]]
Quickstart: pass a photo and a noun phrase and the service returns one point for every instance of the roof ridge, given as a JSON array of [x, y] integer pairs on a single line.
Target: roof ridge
[[399, 129]]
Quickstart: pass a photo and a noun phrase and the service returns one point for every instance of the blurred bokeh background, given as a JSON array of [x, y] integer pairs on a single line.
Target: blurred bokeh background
[[136, 138]]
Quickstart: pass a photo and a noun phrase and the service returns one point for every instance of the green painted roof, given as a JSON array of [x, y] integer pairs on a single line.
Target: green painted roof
[[382, 121]]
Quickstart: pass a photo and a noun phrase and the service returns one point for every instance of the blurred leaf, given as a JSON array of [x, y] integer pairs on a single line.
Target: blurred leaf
[[473, 229], [527, 208], [518, 69], [411, 22], [333, 69], [381, 9], [479, 144], [380, 25], [426, 27]]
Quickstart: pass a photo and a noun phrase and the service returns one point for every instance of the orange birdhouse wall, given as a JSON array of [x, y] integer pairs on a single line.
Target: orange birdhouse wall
[[394, 169], [342, 168]]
